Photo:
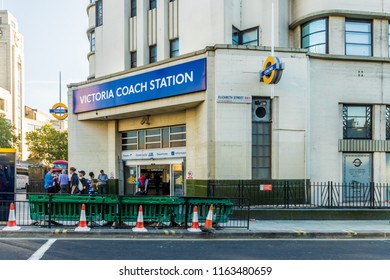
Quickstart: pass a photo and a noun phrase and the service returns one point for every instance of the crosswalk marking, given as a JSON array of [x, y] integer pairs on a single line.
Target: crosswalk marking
[[42, 250]]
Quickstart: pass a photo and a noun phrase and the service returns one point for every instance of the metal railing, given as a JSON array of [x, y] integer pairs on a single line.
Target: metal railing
[[303, 194]]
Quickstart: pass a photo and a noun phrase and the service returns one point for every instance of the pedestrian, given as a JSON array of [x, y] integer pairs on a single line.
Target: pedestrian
[[49, 181], [64, 182], [83, 182], [141, 184], [74, 181], [102, 179], [92, 183], [56, 183]]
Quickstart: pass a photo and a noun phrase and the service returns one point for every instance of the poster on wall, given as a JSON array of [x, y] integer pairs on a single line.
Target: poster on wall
[[357, 173]]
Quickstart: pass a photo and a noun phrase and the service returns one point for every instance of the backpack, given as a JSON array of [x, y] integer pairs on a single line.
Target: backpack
[[80, 186]]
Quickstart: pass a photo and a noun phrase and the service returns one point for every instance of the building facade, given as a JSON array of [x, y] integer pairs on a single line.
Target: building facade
[[12, 76], [174, 88]]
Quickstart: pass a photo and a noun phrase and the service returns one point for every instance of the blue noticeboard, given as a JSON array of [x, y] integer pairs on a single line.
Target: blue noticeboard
[[175, 80], [7, 180]]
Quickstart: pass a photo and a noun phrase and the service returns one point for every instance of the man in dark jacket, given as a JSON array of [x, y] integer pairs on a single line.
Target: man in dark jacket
[[74, 181]]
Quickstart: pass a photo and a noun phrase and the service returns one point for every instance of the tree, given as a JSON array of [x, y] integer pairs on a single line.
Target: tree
[[47, 144], [8, 138]]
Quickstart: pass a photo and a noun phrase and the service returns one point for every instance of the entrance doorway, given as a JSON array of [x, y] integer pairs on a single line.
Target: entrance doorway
[[165, 177]]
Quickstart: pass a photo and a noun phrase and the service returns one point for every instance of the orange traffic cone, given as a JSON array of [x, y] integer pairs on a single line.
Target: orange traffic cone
[[195, 221], [82, 226], [139, 226], [11, 224], [208, 225]]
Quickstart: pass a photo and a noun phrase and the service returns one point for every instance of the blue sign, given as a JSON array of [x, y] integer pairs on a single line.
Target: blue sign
[[180, 79]]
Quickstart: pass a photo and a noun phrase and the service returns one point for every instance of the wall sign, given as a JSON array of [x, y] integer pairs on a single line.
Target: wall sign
[[272, 70], [175, 80], [154, 154], [234, 99], [357, 171]]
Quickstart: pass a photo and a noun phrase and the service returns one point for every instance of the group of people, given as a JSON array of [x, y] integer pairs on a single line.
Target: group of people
[[74, 183]]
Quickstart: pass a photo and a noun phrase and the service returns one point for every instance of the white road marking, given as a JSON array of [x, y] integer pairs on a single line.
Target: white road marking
[[41, 251]]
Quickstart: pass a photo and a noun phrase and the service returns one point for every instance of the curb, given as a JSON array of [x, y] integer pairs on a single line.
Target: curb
[[184, 234]]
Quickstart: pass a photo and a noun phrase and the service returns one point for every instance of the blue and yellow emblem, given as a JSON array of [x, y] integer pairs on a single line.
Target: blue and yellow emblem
[[272, 70], [59, 111]]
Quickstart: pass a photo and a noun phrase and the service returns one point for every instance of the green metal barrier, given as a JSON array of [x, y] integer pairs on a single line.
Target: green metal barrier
[[223, 208], [109, 208], [39, 204], [155, 209], [68, 207], [110, 211]]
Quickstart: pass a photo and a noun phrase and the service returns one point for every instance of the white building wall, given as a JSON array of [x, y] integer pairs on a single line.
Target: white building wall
[[12, 74], [305, 8]]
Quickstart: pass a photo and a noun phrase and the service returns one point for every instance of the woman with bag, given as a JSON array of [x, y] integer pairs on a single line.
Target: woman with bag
[[83, 189]]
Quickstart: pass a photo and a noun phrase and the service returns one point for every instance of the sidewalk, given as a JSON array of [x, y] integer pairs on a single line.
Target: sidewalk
[[257, 229]]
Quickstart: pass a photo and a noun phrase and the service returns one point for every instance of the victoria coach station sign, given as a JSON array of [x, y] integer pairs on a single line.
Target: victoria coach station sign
[[171, 81]]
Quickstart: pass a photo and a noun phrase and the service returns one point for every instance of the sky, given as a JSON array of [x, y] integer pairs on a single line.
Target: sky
[[55, 41]]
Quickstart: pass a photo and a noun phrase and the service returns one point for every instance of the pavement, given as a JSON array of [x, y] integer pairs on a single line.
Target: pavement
[[293, 229]]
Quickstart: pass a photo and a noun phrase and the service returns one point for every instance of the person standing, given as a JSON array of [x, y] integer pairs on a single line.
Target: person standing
[[103, 179], [92, 183], [64, 182], [83, 182], [49, 180], [74, 181]]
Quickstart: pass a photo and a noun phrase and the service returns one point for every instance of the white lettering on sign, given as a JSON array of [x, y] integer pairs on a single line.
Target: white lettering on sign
[[96, 96], [171, 80]]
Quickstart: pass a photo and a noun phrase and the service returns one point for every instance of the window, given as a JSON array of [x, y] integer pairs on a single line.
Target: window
[[314, 36], [153, 54], [153, 138], [133, 11], [174, 48], [2, 104], [245, 37], [133, 58], [358, 38], [92, 43], [357, 122], [156, 138], [99, 12], [152, 4], [389, 41], [388, 123]]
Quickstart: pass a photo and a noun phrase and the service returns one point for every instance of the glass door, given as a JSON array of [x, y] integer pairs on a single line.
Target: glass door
[[177, 184], [130, 178]]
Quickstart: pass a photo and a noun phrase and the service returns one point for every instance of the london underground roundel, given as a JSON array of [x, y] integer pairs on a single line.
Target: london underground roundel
[[272, 70], [59, 111]]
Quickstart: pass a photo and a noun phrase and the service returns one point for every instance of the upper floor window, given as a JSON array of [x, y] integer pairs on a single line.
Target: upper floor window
[[389, 40], [358, 38], [2, 104], [133, 8], [357, 122], [133, 57], [153, 54], [152, 4], [174, 48], [245, 37], [92, 42], [156, 138], [315, 36], [387, 122], [99, 12]]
